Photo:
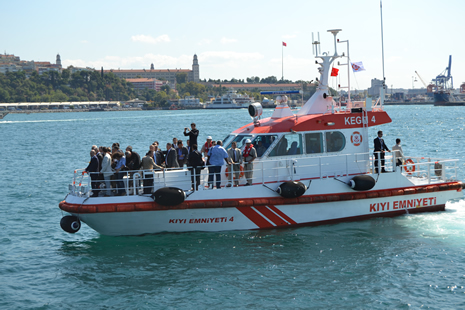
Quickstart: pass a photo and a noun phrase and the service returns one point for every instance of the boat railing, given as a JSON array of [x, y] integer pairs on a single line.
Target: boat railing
[[266, 172], [429, 169]]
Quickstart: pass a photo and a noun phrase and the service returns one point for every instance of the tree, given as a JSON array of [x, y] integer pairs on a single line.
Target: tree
[[269, 80], [181, 77]]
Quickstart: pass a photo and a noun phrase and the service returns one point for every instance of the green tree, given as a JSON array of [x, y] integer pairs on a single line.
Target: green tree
[[181, 77]]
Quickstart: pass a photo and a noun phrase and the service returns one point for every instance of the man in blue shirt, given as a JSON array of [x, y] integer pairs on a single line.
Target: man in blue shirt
[[218, 156], [120, 164]]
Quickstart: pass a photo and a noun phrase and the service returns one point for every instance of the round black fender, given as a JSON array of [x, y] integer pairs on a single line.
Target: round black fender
[[291, 189], [362, 182], [70, 223], [169, 196]]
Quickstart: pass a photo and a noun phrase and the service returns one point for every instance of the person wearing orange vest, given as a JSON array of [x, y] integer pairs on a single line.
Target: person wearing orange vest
[[249, 154]]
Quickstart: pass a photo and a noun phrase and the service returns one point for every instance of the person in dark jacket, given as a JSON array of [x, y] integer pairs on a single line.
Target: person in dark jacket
[[182, 153], [193, 134], [380, 148], [132, 159], [132, 164], [92, 170], [171, 159], [196, 164]]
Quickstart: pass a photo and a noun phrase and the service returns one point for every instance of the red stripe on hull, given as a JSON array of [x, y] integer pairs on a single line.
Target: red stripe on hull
[[281, 214], [272, 216], [256, 218]]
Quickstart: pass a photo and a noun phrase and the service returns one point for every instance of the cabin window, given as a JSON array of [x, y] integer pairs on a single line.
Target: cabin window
[[290, 144], [262, 143], [335, 141], [313, 143], [240, 139], [228, 139]]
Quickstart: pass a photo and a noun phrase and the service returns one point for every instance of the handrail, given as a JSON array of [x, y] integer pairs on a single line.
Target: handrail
[[273, 171]]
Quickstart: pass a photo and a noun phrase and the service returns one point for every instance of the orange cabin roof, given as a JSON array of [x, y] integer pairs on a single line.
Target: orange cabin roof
[[315, 122]]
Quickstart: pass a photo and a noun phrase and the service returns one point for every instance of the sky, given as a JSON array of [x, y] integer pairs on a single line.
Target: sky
[[240, 39]]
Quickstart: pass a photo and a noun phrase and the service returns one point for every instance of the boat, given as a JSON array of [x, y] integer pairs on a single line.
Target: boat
[[3, 114], [443, 94], [314, 167], [96, 110], [231, 100], [447, 98]]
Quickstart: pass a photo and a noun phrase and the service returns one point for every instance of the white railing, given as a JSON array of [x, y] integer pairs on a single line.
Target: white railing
[[427, 170]]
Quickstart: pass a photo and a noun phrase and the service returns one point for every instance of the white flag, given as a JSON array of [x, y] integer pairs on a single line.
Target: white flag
[[357, 66]]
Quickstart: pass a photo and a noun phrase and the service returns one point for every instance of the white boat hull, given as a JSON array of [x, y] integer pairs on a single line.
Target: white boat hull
[[136, 215]]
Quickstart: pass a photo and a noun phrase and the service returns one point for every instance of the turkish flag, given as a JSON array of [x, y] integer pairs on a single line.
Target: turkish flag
[[284, 44], [334, 72]]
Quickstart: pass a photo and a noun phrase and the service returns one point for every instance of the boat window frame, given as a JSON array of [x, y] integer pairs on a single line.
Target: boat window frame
[[269, 148], [322, 143], [344, 141], [227, 146], [277, 143]]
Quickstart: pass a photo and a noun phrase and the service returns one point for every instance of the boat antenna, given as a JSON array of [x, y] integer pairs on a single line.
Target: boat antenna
[[382, 50]]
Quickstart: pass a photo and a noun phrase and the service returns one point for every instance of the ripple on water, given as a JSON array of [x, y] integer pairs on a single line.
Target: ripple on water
[[405, 262]]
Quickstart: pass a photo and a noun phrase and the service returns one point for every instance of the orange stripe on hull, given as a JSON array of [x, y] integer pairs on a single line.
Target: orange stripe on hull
[[259, 203]]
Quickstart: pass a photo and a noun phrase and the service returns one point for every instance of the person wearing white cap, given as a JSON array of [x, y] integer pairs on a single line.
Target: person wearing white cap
[[249, 154]]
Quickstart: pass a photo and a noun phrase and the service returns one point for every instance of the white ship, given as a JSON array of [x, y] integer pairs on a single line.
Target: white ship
[[315, 167], [231, 100]]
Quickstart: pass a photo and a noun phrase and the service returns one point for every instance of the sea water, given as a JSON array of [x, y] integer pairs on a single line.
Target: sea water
[[411, 261]]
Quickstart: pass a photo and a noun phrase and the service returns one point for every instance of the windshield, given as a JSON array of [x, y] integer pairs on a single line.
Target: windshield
[[239, 139], [262, 143]]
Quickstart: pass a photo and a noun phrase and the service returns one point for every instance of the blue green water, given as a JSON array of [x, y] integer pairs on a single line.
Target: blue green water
[[411, 261]]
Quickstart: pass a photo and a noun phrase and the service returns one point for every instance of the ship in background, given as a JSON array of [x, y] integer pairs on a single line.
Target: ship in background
[[231, 100], [443, 86]]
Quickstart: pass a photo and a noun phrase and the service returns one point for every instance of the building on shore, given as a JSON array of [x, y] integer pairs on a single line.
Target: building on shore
[[143, 83], [258, 86], [160, 74], [12, 63]]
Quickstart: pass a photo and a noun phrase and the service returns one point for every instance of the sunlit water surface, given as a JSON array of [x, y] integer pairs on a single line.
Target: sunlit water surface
[[410, 261]]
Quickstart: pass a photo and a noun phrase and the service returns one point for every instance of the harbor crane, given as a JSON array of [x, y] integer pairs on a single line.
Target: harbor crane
[[442, 80], [421, 79]]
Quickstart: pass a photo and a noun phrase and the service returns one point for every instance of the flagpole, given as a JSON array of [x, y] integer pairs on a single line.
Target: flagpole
[[382, 51], [282, 61]]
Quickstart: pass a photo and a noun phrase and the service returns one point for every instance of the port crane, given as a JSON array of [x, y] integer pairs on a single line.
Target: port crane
[[421, 79], [444, 80]]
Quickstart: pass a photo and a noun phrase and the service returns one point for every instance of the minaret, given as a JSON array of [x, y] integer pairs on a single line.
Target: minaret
[[195, 69], [58, 62]]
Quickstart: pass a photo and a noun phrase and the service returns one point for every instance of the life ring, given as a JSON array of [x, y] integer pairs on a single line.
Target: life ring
[[241, 172], [409, 166], [356, 138]]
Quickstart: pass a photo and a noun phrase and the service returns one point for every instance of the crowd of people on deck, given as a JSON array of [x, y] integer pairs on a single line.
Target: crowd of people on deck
[[108, 166]]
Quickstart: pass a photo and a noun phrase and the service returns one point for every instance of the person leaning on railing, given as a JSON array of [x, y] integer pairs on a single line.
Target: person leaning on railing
[[106, 169], [92, 170], [397, 150], [218, 156], [196, 164], [249, 154], [120, 164], [235, 158], [147, 165]]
